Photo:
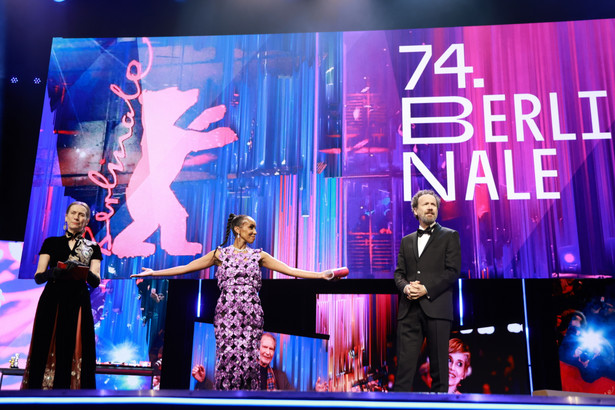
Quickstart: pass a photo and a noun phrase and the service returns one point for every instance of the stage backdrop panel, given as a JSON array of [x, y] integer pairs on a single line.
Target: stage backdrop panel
[[585, 323], [324, 137], [362, 346], [128, 315], [18, 302]]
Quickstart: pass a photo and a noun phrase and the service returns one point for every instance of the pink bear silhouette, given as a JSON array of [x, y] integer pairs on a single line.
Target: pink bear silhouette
[[149, 198]]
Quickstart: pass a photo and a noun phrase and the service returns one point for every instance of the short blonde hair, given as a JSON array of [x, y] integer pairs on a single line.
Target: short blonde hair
[[83, 204]]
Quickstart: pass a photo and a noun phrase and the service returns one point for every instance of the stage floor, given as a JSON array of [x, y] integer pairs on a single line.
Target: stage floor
[[143, 399]]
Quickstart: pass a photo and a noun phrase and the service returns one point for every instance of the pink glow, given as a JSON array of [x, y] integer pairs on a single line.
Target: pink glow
[[149, 198], [18, 302], [199, 159], [17, 317], [129, 123]]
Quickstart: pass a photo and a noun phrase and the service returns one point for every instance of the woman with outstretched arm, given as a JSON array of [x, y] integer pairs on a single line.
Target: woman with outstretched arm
[[238, 319]]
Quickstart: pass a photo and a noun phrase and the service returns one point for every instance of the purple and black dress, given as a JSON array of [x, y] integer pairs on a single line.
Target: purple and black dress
[[238, 320]]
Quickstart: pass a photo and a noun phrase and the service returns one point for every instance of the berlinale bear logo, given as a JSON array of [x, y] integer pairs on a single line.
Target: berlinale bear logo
[[149, 198]]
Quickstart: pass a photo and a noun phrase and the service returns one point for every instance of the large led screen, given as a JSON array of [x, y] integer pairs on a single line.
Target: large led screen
[[303, 360], [585, 335], [324, 137]]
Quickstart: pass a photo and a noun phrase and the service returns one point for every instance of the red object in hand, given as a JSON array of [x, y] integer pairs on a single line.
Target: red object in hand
[[75, 273], [340, 272]]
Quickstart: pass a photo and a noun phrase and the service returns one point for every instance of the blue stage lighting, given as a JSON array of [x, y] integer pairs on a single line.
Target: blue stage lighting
[[592, 341]]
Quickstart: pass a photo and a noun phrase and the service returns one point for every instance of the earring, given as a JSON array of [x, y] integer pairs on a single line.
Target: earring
[[65, 227]]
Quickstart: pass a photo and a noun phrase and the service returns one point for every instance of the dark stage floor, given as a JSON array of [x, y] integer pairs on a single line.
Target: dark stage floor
[[147, 399]]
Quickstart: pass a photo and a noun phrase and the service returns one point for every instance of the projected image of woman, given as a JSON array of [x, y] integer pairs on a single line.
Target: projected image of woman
[[63, 351], [238, 320], [458, 364]]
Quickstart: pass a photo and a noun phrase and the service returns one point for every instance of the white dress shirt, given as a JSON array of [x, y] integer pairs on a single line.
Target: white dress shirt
[[422, 240]]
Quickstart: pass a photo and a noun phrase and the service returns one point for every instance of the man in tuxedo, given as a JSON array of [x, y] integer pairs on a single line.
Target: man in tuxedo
[[428, 265]]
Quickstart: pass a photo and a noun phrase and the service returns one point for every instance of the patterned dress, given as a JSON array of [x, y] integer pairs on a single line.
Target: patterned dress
[[238, 320]]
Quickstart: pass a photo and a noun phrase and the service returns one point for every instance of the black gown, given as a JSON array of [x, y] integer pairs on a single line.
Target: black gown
[[63, 348]]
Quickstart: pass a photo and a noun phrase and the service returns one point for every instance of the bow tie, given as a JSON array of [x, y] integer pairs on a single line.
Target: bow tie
[[74, 236], [427, 231]]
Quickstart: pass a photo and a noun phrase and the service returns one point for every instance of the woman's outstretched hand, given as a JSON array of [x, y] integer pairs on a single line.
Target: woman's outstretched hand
[[146, 272]]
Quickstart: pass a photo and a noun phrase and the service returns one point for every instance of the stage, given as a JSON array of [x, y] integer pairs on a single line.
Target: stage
[[323, 138], [283, 400]]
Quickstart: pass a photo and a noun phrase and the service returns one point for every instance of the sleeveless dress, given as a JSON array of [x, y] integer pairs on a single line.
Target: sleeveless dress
[[238, 320]]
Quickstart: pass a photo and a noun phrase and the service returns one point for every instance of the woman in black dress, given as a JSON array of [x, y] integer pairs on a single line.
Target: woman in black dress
[[63, 351]]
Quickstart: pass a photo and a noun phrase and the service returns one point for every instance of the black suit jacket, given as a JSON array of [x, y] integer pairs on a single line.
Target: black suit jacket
[[204, 385], [281, 380], [437, 269]]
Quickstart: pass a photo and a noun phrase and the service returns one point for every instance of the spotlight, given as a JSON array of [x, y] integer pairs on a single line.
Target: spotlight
[[37, 80], [123, 353], [591, 340], [515, 328], [486, 330], [14, 80]]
